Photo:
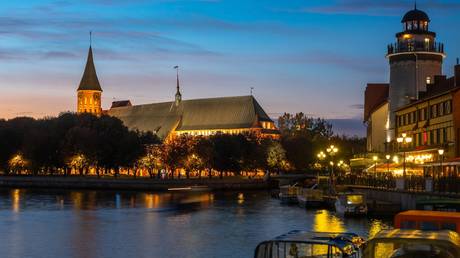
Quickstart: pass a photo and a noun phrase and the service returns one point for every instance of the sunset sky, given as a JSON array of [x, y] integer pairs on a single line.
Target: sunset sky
[[313, 56]]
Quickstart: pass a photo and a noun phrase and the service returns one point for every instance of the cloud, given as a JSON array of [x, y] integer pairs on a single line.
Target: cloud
[[357, 106], [376, 7]]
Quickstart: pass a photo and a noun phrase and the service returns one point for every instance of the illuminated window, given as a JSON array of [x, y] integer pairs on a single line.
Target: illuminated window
[[428, 80]]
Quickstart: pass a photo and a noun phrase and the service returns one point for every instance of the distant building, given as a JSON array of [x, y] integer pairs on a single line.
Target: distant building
[[376, 116], [228, 115]]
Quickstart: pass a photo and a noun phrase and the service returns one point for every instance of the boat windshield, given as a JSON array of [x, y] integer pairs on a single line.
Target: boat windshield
[[355, 199], [286, 249]]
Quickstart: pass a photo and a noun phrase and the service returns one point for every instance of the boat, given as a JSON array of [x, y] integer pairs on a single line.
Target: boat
[[404, 243], [311, 197], [351, 204], [438, 204], [428, 220], [298, 244], [288, 194]]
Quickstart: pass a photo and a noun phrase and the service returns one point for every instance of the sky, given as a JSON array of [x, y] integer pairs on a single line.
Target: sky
[[310, 56]]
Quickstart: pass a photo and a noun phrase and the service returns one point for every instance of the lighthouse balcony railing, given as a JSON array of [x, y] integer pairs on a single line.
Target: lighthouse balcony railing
[[403, 47]]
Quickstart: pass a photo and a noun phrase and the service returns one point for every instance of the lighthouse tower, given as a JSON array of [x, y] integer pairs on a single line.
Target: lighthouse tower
[[414, 60]]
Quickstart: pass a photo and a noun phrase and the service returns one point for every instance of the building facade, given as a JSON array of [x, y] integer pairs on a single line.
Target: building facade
[[433, 121], [196, 117]]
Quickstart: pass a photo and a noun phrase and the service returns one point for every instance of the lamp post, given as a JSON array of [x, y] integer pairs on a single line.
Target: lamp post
[[388, 156], [321, 156], [441, 157], [375, 158], [404, 139], [332, 150]]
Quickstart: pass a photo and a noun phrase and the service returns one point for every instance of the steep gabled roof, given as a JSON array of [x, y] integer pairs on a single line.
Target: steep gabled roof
[[195, 114], [89, 80]]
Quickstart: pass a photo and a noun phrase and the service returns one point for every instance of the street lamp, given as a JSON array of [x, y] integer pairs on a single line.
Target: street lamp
[[332, 150], [404, 139], [388, 156], [441, 157], [321, 156], [375, 158]]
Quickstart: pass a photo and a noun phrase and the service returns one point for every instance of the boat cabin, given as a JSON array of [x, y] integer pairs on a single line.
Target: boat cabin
[[403, 243], [428, 220], [298, 244], [351, 204]]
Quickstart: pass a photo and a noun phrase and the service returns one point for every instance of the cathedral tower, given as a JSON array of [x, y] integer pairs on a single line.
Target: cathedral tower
[[89, 91], [414, 60]]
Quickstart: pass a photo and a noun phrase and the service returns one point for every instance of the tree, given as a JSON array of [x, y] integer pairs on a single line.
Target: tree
[[227, 153], [175, 152], [276, 157]]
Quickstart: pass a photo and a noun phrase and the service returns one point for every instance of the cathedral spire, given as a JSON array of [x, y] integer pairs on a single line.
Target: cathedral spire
[[178, 98], [89, 80]]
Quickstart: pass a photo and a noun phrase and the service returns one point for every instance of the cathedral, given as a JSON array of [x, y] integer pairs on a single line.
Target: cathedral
[[196, 117]]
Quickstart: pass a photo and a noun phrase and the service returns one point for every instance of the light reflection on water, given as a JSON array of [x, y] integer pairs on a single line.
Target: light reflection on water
[[42, 223]]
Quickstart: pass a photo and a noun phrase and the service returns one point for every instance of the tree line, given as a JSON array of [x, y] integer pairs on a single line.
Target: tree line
[[81, 142]]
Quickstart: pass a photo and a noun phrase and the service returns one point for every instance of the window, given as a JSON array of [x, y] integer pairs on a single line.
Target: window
[[429, 225], [444, 135], [434, 111], [441, 109], [438, 136], [449, 226], [448, 107], [408, 224], [420, 142], [431, 137]]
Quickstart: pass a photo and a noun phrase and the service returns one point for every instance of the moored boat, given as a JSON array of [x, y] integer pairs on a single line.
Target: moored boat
[[403, 243], [311, 197], [288, 194], [311, 244], [351, 204]]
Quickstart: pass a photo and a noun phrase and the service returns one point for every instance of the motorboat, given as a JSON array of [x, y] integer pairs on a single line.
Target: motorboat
[[301, 244], [351, 204], [311, 197], [405, 243], [288, 194]]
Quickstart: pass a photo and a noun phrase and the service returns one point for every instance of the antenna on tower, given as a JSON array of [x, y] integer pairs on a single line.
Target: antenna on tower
[[252, 89], [458, 61], [90, 38], [415, 5]]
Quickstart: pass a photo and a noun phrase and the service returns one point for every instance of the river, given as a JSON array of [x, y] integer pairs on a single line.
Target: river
[[86, 224]]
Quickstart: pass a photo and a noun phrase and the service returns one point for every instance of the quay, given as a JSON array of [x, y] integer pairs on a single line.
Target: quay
[[404, 199], [141, 184]]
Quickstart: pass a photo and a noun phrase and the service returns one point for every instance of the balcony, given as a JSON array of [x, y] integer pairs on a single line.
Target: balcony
[[403, 47]]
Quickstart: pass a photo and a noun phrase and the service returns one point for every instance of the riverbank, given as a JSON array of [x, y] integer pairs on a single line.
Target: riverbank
[[141, 184]]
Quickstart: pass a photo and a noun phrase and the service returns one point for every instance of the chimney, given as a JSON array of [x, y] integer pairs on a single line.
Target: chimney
[[457, 74]]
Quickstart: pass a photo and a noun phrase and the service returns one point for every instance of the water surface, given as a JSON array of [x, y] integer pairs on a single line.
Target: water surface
[[83, 224]]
